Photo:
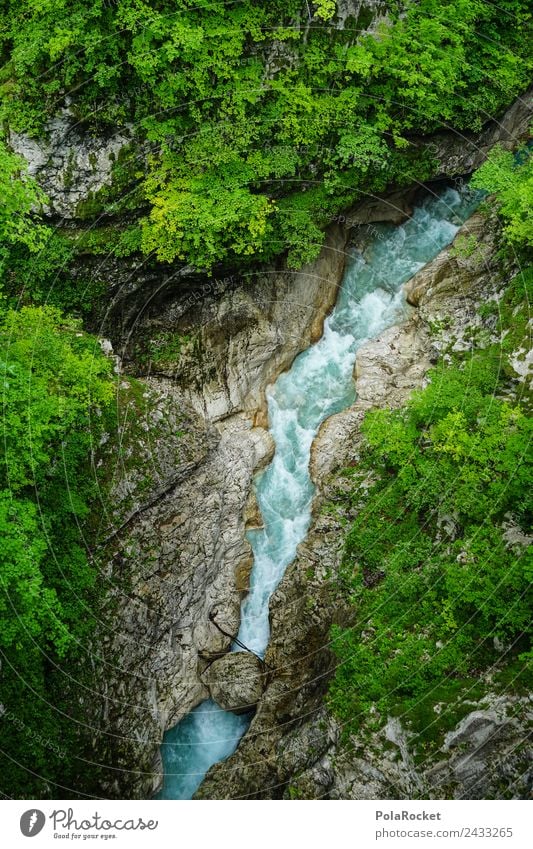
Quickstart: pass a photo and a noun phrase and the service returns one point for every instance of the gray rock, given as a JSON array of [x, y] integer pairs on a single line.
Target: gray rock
[[67, 163], [461, 153], [179, 509], [235, 681], [374, 9]]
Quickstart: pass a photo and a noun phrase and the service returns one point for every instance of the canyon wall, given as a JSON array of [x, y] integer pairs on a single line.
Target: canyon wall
[[171, 546]]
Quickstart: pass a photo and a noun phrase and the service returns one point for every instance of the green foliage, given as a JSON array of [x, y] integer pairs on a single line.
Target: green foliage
[[20, 195], [53, 374], [35, 260], [432, 574], [249, 105], [262, 124], [510, 178], [325, 9], [164, 349], [204, 222], [55, 385]]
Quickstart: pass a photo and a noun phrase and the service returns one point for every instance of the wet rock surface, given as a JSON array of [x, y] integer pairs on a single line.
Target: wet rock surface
[[235, 681]]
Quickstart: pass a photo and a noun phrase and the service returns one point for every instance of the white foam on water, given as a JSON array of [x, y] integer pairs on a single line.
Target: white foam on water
[[207, 735], [319, 384]]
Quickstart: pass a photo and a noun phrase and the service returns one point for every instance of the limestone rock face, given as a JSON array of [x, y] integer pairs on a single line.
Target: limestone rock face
[[488, 754], [245, 339], [244, 332], [449, 275], [68, 164], [373, 11], [461, 153], [180, 507], [235, 681], [386, 368], [175, 545]]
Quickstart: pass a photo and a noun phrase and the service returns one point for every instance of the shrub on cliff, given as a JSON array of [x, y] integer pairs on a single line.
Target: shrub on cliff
[[432, 574], [510, 178], [438, 563]]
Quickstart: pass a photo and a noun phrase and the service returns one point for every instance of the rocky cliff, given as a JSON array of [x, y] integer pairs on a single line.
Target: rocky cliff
[[173, 549], [187, 555], [177, 557]]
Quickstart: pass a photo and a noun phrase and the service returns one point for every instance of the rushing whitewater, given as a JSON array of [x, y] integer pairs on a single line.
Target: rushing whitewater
[[319, 384]]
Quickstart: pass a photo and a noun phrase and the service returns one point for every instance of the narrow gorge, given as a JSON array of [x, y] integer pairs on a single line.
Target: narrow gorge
[[265, 281], [318, 385]]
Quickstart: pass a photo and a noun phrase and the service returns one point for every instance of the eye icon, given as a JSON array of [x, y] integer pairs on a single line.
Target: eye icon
[[32, 822]]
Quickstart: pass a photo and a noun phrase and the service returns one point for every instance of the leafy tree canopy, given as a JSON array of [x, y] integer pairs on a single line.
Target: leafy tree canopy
[[247, 105]]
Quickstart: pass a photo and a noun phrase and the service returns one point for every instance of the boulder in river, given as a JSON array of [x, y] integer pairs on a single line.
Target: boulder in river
[[236, 681]]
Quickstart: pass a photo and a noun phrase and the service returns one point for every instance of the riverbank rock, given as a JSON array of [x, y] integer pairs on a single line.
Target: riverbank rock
[[172, 545], [235, 681], [450, 273]]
